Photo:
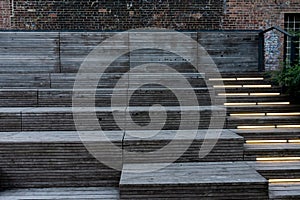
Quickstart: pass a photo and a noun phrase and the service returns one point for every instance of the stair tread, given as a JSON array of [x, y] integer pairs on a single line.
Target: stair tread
[[57, 136], [62, 193], [285, 191], [272, 147]]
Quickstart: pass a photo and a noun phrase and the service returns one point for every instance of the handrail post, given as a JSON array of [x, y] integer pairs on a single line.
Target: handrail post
[[261, 52]]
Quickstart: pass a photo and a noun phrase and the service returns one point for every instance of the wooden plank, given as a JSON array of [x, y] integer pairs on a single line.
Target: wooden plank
[[62, 193], [192, 181]]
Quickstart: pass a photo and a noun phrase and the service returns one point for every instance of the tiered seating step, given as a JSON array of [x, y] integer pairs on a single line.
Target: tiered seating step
[[78, 193], [284, 191], [61, 118], [57, 159], [185, 145], [221, 180], [253, 151], [235, 122], [63, 97], [278, 170], [270, 134]]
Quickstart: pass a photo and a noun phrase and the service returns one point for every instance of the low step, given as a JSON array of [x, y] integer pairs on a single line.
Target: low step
[[63, 97], [251, 90], [256, 99], [182, 146], [78, 193], [270, 134], [280, 191], [277, 169], [106, 80], [263, 108], [244, 122], [254, 151], [218, 180], [57, 159], [61, 118]]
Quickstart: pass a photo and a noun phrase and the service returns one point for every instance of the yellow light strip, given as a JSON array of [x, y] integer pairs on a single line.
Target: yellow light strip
[[264, 94], [233, 94], [227, 86], [265, 141], [274, 103], [239, 104], [248, 114], [284, 180], [279, 159], [294, 141], [283, 114], [256, 127], [222, 79], [288, 126], [257, 86], [250, 79]]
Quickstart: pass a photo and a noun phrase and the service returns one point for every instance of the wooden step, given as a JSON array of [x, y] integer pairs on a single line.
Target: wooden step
[[185, 146], [57, 159], [270, 134], [263, 108], [240, 122], [284, 191], [219, 180], [61, 118], [278, 170], [253, 151], [63, 97], [252, 90], [78, 193]]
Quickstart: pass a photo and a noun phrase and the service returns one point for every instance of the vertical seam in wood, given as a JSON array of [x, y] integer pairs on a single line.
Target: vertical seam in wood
[[59, 53]]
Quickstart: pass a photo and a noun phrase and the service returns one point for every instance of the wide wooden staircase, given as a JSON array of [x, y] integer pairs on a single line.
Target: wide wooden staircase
[[256, 154]]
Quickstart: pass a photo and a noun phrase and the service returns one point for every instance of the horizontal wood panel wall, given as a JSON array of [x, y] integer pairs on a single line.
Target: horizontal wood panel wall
[[63, 52]]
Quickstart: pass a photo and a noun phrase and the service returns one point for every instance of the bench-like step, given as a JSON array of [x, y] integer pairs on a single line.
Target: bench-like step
[[238, 122], [219, 180], [270, 134], [57, 159], [277, 170], [78, 193], [284, 191], [182, 146], [263, 108], [106, 80], [253, 151], [61, 118], [63, 97]]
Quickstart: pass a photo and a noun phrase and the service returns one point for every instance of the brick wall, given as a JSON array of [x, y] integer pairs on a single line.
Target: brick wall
[[123, 15], [257, 14], [5, 14], [116, 15]]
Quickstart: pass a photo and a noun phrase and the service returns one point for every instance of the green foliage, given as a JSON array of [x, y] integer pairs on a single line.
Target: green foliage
[[289, 79]]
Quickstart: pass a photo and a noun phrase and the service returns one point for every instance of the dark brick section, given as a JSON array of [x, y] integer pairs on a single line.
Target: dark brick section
[[257, 14], [116, 15]]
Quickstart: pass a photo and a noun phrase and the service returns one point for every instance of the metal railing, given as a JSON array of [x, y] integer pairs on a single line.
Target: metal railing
[[261, 57]]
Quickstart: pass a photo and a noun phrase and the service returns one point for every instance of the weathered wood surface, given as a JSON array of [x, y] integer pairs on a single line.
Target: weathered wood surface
[[284, 191], [234, 122], [232, 51], [270, 134], [36, 52], [221, 180], [29, 52], [61, 118], [277, 170], [63, 97], [252, 151], [83, 193], [57, 159], [229, 146]]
